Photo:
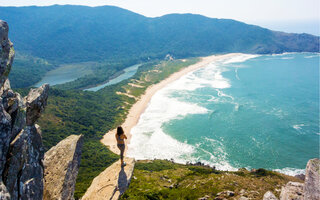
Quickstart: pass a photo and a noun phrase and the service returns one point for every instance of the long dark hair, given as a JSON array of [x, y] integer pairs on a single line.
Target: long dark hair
[[120, 130]]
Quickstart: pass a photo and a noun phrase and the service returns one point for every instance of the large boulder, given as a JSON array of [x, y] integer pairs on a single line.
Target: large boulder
[[61, 165], [292, 191], [312, 181]]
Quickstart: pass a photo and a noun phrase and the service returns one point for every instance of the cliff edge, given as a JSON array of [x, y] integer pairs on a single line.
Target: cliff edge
[[21, 150]]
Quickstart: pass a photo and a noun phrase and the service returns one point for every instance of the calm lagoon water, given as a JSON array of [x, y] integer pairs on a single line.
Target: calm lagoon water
[[65, 73], [128, 72], [71, 72], [248, 111]]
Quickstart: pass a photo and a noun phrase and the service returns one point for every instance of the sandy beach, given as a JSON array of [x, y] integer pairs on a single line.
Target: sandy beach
[[138, 108]]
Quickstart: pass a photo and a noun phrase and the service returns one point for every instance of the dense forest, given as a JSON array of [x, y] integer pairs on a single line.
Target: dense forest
[[113, 38], [78, 33], [28, 70]]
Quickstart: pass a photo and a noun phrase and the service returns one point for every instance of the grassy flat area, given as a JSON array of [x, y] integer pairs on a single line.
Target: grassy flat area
[[160, 179]]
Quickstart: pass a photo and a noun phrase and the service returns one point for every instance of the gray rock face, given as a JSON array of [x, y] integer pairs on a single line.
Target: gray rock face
[[35, 103], [7, 52], [5, 132], [24, 174], [21, 149], [61, 164], [292, 191], [312, 180], [269, 196], [4, 194]]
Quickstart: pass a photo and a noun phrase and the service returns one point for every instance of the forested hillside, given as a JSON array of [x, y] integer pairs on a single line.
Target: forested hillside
[[78, 33]]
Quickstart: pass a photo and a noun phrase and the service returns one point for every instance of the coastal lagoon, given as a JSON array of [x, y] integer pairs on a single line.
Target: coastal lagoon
[[248, 111], [128, 72], [70, 72], [66, 73]]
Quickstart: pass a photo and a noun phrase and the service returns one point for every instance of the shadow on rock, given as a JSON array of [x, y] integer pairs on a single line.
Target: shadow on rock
[[122, 181]]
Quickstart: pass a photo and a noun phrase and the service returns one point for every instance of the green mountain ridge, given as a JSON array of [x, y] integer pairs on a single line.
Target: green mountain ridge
[[68, 33]]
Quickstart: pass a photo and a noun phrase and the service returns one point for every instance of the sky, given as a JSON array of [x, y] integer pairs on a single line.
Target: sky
[[283, 15]]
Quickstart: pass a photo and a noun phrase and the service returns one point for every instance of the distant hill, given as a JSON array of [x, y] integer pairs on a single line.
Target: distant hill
[[80, 33]]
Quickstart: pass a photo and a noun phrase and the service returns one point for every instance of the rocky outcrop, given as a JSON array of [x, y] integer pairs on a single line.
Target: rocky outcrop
[[21, 149], [292, 191], [269, 196], [23, 168], [7, 52], [312, 180], [61, 165], [112, 182], [35, 103]]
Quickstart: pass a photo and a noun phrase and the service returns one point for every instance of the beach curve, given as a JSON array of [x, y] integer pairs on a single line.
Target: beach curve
[[139, 107]]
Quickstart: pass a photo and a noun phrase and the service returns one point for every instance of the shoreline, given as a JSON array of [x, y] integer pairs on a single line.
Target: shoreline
[[139, 107]]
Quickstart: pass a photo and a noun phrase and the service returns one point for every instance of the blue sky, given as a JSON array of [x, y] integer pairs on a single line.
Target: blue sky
[[283, 15]]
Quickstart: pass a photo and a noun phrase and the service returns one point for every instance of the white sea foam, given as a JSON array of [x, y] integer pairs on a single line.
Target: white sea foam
[[240, 58], [149, 140], [221, 94], [287, 58], [313, 56], [236, 71], [298, 126], [291, 171], [219, 158]]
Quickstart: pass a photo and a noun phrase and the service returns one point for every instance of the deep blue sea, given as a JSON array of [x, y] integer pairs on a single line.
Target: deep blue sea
[[247, 111]]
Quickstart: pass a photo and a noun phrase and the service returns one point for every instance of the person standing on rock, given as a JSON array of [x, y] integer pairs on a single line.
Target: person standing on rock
[[120, 136]]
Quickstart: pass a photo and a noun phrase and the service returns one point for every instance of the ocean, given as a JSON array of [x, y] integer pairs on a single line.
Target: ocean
[[253, 111]]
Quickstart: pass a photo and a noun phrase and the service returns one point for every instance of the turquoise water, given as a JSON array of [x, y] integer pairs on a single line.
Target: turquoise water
[[247, 111], [128, 72]]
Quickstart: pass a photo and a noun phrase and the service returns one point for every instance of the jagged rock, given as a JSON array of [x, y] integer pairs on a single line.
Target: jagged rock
[[312, 180], [292, 191], [18, 117], [6, 86], [35, 103], [5, 132], [24, 168], [61, 164], [7, 52], [21, 149], [269, 196], [4, 194]]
